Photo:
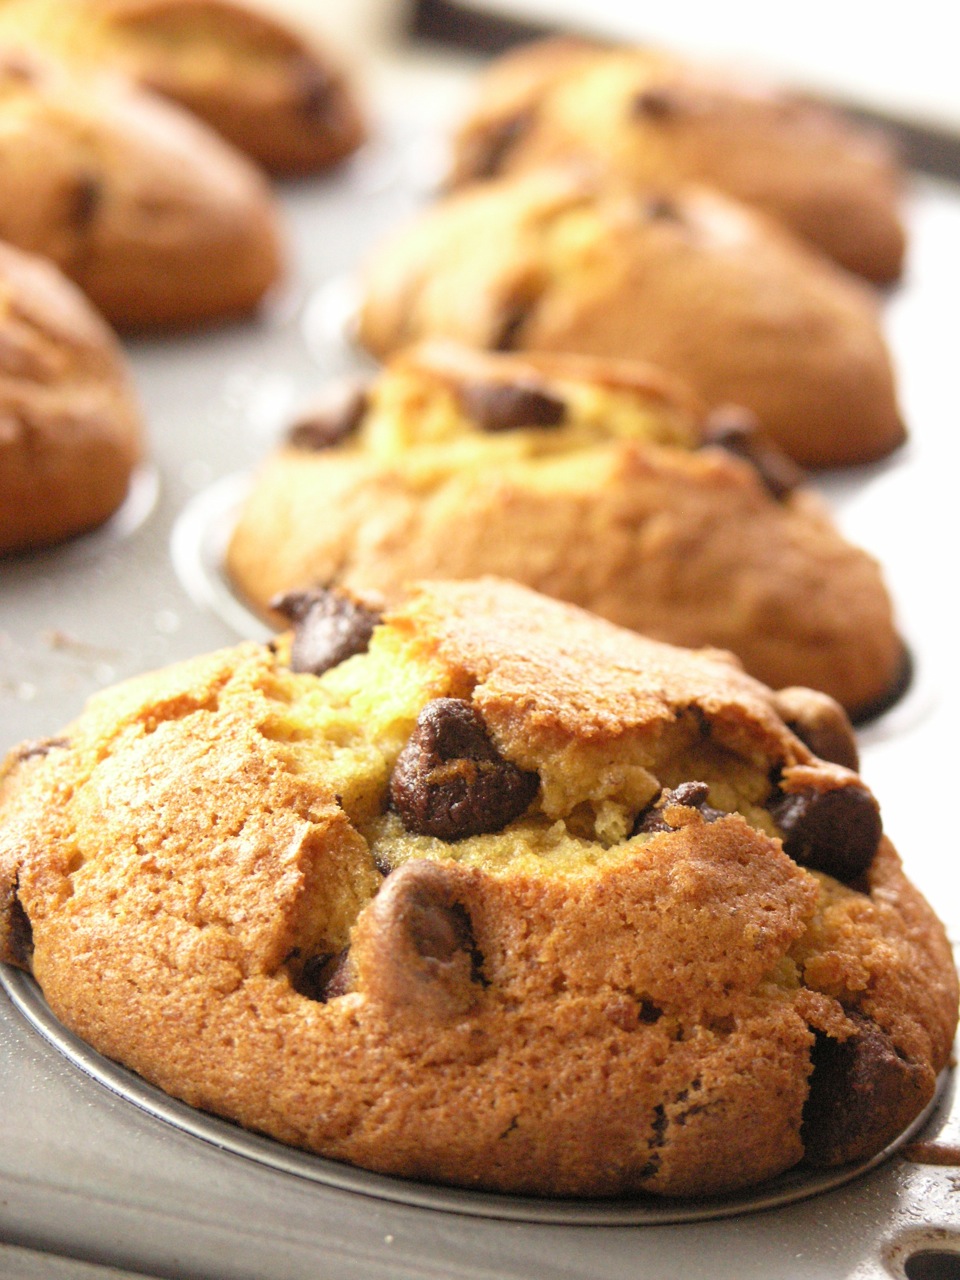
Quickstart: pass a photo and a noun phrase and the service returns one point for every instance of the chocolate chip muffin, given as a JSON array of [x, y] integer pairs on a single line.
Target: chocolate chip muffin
[[651, 118], [689, 281], [266, 87], [597, 482], [156, 219], [483, 847], [70, 429]]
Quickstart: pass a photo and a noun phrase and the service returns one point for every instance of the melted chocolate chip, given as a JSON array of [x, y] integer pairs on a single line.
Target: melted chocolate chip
[[489, 149], [87, 197], [328, 628], [417, 943], [736, 431], [658, 103], [451, 782], [862, 1094], [498, 406], [324, 977], [833, 831], [331, 420], [691, 795], [820, 723]]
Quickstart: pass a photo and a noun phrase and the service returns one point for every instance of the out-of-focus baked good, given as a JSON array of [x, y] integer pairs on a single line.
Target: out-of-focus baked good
[[70, 430], [268, 88], [693, 282], [651, 118], [503, 852], [595, 482], [155, 218]]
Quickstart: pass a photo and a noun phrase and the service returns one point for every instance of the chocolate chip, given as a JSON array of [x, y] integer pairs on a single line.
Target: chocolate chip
[[691, 795], [451, 782], [15, 65], [86, 199], [417, 945], [329, 627], [862, 1094], [833, 831], [39, 747], [500, 406], [507, 335], [658, 103], [332, 419], [737, 431], [662, 209], [325, 977], [19, 934], [314, 88], [487, 151], [821, 723]]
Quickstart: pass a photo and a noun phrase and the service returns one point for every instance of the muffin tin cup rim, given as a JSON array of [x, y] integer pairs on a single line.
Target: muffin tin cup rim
[[788, 1188]]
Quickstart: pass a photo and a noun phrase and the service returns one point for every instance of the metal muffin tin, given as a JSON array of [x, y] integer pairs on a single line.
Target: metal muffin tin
[[99, 1169]]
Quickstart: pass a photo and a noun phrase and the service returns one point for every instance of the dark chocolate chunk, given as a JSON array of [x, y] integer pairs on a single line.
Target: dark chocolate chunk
[[332, 419], [500, 406], [863, 1093], [692, 795], [19, 934], [324, 977], [329, 627], [86, 199], [737, 431], [833, 831], [821, 723], [656, 103], [451, 782], [489, 149], [419, 947]]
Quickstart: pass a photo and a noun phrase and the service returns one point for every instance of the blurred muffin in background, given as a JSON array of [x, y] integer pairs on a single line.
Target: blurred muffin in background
[[159, 221], [597, 482], [685, 278], [649, 118], [70, 430], [269, 89]]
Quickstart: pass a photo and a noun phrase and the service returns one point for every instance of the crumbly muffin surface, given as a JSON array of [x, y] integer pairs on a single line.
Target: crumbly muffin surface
[[228, 876]]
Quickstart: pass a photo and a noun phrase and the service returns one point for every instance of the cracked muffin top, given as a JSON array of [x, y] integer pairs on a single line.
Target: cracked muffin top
[[485, 847], [600, 482], [647, 116]]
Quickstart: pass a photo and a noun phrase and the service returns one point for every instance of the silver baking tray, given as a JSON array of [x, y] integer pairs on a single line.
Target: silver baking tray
[[97, 1168]]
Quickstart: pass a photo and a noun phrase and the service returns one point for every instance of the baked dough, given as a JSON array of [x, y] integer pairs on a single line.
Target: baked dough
[[70, 428], [597, 482], [693, 282], [651, 118], [158, 221], [504, 853], [263, 85]]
